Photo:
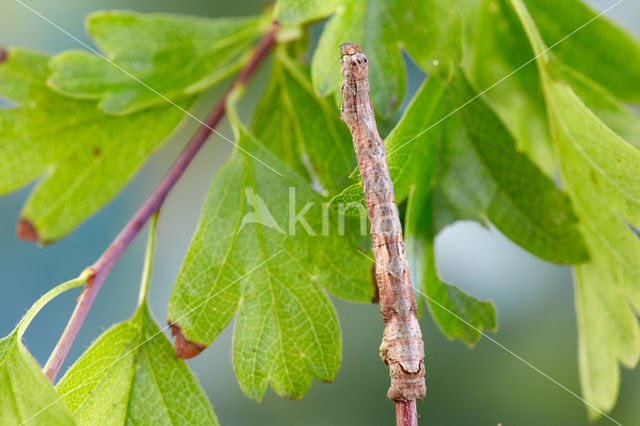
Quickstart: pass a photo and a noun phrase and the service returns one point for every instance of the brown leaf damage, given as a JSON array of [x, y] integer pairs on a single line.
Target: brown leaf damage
[[3, 55], [185, 348], [26, 231]]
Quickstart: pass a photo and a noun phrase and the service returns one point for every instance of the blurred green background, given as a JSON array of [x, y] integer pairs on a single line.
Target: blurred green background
[[483, 386]]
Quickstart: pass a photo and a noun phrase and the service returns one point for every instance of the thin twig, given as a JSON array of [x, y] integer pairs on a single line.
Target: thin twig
[[402, 348], [110, 257]]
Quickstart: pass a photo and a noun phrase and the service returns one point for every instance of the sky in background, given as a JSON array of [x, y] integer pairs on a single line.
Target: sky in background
[[483, 386]]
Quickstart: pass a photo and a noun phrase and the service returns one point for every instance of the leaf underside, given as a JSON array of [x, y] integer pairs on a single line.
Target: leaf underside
[[598, 169], [129, 375], [251, 259]]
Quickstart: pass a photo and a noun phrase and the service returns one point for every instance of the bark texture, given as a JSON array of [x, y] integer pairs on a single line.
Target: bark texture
[[402, 348]]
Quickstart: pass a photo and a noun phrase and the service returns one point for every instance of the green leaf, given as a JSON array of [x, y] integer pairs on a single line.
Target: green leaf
[[300, 128], [458, 315], [497, 56], [412, 144], [251, 258], [175, 56], [492, 175], [293, 12], [608, 330], [616, 115], [599, 170], [433, 32], [84, 156], [381, 44], [600, 50], [130, 375], [345, 26], [501, 47], [372, 24], [25, 393]]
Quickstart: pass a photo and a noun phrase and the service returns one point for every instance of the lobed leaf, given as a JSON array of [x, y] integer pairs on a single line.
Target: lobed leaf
[[83, 156], [130, 375], [599, 170], [173, 56], [252, 258], [458, 315], [539, 219]]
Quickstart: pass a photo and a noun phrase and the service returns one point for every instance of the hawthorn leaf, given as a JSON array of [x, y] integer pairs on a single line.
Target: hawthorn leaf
[[501, 47], [177, 56], [605, 287], [300, 127], [260, 253], [494, 174], [130, 375], [24, 391], [382, 47], [373, 25], [434, 33], [26, 395], [458, 315], [411, 145], [497, 56], [346, 25], [601, 50], [294, 12], [83, 156], [599, 170]]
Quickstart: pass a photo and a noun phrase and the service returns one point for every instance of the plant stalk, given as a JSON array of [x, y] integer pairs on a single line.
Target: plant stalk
[[402, 348], [406, 413], [103, 266], [148, 260]]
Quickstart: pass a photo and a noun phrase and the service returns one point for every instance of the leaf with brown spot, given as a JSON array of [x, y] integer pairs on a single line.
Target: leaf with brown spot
[[26, 231], [185, 348], [46, 136]]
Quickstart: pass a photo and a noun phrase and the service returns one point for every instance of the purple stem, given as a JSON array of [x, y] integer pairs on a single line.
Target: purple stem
[[110, 257], [406, 413]]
